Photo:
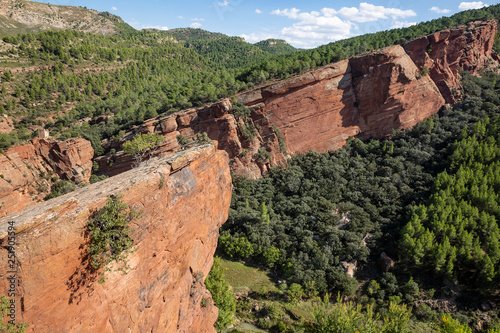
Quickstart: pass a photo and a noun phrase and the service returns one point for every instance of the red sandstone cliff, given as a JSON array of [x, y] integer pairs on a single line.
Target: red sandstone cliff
[[445, 52], [25, 170], [184, 198], [366, 96]]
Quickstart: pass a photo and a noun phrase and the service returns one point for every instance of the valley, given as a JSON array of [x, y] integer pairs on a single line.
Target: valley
[[354, 180]]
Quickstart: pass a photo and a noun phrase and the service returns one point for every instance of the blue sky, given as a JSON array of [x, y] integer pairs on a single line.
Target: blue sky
[[303, 24]]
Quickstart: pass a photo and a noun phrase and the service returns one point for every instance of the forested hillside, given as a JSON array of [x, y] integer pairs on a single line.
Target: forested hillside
[[65, 80], [427, 197]]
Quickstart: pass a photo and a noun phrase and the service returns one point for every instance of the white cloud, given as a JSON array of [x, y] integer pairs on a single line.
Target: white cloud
[[328, 25], [439, 10], [399, 24], [257, 37], [195, 25], [370, 13], [198, 19], [114, 8], [471, 5], [180, 17], [258, 11], [159, 27], [223, 3]]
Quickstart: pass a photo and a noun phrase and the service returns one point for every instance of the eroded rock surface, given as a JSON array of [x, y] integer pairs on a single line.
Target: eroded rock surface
[[184, 200], [366, 96], [445, 52], [26, 170]]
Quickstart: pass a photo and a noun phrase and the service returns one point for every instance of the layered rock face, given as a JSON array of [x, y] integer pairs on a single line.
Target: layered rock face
[[366, 96], [184, 200], [445, 52], [391, 92], [25, 170]]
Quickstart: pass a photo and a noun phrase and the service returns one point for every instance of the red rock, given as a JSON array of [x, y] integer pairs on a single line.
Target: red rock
[[23, 167], [386, 263], [366, 96], [391, 93], [222, 107], [446, 52], [174, 242], [167, 125]]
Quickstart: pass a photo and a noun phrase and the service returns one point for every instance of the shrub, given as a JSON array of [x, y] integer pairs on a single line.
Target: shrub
[[222, 295], [143, 146], [109, 232]]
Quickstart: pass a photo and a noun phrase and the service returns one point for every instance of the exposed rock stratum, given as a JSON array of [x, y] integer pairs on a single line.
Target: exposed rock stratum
[[369, 95], [184, 199]]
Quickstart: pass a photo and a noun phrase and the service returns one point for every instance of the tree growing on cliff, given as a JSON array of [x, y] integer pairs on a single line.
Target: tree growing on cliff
[[109, 232], [222, 295], [143, 146]]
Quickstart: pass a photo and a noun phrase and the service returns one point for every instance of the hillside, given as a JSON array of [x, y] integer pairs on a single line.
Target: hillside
[[19, 16], [190, 34], [366, 168], [275, 46]]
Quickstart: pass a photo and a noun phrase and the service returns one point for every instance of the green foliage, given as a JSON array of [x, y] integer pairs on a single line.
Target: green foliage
[[238, 247], [59, 188], [222, 295], [263, 155], [281, 140], [424, 71], [182, 140], [450, 325], [343, 317], [5, 326], [349, 317], [275, 46], [109, 231], [295, 292], [202, 138], [143, 145], [396, 319], [271, 256], [456, 234]]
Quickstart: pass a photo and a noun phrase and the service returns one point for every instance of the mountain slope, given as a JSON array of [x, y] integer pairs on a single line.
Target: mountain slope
[[18, 16], [275, 46], [190, 34]]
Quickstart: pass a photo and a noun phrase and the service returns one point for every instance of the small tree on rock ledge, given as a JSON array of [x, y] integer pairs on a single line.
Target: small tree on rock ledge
[[143, 146]]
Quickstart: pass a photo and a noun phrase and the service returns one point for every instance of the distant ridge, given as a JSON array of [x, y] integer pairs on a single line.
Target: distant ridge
[[275, 46], [20, 16], [191, 34]]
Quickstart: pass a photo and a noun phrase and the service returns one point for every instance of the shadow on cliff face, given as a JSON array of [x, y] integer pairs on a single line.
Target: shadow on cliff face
[[349, 112], [85, 275]]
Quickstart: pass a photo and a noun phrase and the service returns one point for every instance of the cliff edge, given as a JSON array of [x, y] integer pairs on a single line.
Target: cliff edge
[[369, 95], [184, 199]]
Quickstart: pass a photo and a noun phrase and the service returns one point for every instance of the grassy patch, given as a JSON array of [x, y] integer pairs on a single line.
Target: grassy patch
[[242, 277]]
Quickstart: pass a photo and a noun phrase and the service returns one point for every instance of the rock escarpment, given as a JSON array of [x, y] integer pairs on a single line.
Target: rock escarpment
[[30, 16], [444, 53], [184, 200], [366, 96], [25, 170]]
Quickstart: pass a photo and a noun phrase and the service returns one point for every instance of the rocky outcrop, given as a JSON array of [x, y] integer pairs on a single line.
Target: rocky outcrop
[[391, 93], [184, 200], [366, 96], [26, 170], [34, 17], [445, 52]]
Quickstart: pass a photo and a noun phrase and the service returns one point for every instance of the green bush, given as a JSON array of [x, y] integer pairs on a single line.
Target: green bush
[[109, 230], [222, 295], [143, 146]]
